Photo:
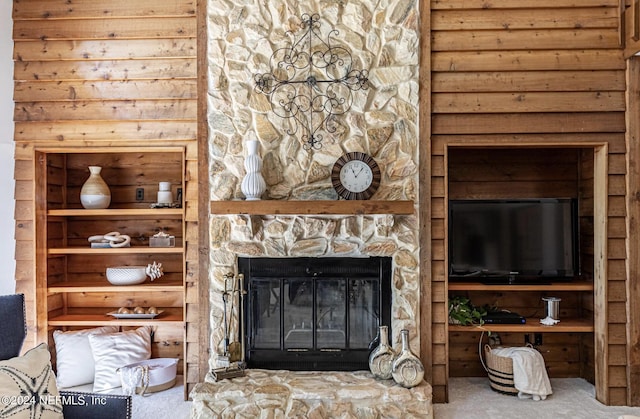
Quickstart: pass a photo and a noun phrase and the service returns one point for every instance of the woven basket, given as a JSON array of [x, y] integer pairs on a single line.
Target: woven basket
[[500, 371]]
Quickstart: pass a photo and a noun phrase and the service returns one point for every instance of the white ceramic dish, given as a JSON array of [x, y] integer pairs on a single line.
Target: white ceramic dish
[[134, 315], [126, 275]]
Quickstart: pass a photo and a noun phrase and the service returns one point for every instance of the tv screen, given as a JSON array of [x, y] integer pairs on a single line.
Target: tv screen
[[513, 240]]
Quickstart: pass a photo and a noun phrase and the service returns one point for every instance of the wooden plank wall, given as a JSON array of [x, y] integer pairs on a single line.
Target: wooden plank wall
[[523, 74], [633, 226], [108, 73]]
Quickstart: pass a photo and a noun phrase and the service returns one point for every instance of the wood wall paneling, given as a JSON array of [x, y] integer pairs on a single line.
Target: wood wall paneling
[[633, 280], [510, 73], [545, 80], [115, 73]]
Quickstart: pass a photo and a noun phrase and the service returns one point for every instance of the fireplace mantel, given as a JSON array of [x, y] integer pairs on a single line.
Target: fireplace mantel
[[312, 207]]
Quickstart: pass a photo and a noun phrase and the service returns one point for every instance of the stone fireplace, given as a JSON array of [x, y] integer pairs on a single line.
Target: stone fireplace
[[358, 238], [382, 37], [314, 314], [383, 122]]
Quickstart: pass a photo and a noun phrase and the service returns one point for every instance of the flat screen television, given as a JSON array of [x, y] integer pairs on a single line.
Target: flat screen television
[[513, 240]]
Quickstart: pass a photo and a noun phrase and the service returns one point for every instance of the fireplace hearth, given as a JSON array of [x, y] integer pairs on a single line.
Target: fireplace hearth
[[314, 314]]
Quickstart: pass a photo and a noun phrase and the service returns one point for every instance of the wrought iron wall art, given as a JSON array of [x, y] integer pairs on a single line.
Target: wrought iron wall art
[[311, 82]]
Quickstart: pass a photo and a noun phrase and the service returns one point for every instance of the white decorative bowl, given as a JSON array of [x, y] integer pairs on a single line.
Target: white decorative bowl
[[126, 275], [162, 373]]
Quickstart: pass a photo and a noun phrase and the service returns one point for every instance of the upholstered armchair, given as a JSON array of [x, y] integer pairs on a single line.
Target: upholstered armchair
[[13, 327], [13, 331]]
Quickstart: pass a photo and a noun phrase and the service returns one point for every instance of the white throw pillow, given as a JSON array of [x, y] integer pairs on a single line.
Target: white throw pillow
[[114, 350], [74, 358], [28, 386]]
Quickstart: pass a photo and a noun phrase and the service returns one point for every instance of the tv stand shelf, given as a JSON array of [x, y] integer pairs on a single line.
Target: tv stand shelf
[[532, 326], [509, 294], [554, 286]]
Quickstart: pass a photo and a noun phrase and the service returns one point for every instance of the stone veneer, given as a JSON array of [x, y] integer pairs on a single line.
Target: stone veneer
[[287, 394], [383, 37]]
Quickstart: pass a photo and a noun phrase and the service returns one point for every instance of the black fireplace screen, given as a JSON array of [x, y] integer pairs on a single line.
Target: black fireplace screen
[[314, 313]]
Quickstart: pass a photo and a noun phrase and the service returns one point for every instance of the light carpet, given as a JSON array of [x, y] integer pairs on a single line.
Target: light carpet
[[166, 404], [472, 398]]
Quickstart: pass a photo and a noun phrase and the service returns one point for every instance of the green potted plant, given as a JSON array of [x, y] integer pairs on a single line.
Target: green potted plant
[[462, 311]]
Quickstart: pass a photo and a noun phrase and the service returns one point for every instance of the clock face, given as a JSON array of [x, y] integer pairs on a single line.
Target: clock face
[[355, 176]]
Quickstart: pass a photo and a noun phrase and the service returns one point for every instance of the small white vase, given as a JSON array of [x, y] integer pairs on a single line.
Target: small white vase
[[253, 184], [95, 193], [165, 196]]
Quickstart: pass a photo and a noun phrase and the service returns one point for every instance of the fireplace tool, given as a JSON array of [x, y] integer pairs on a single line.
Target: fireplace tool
[[223, 360], [234, 347], [233, 369]]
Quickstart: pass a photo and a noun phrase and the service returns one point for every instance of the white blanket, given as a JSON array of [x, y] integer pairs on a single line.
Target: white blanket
[[529, 373]]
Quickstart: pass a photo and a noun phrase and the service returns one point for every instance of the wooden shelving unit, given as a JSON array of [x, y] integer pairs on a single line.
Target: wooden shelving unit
[[121, 212], [73, 291], [554, 286], [340, 207], [114, 251], [90, 286], [93, 320], [532, 325]]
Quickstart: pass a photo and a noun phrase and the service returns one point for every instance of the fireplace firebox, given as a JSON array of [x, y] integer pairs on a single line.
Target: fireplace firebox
[[314, 313]]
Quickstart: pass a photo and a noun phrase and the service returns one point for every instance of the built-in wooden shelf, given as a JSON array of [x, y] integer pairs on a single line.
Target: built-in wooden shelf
[[91, 320], [118, 212], [554, 286], [86, 286], [341, 207], [141, 250], [532, 325]]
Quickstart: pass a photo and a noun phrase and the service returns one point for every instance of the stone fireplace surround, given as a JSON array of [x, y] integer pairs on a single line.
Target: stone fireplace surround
[[319, 236], [383, 37], [315, 393]]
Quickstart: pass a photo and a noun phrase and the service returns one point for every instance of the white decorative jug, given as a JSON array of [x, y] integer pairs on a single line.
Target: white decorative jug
[[253, 184], [95, 193]]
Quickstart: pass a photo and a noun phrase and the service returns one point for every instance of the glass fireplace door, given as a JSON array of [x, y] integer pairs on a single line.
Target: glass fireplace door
[[313, 314], [312, 319]]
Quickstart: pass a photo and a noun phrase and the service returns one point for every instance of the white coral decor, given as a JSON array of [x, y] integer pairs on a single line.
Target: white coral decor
[[154, 270]]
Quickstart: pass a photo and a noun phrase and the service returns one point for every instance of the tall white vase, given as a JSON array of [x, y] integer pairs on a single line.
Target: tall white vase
[[253, 184]]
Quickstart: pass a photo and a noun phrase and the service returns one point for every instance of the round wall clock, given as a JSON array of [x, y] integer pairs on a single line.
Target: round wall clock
[[355, 175]]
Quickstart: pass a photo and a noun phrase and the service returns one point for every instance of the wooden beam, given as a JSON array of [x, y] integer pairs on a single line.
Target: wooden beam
[[633, 235], [600, 248], [202, 309], [424, 212], [281, 207]]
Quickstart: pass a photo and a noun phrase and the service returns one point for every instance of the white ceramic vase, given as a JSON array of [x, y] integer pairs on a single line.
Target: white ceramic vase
[[165, 196], [253, 184], [95, 193]]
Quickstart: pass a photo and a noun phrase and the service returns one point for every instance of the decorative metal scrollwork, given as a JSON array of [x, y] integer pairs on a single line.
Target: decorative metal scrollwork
[[311, 82]]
